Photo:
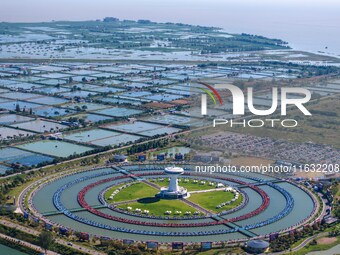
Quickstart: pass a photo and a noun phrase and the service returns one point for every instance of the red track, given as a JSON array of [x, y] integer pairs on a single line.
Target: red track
[[83, 203]]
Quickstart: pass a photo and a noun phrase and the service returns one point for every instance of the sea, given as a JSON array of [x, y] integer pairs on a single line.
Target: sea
[[308, 25]]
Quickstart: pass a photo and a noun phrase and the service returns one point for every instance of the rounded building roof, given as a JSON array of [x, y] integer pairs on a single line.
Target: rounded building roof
[[174, 170], [119, 156], [258, 244]]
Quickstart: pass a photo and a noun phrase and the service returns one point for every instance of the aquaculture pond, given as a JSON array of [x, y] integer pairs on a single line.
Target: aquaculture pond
[[11, 155], [143, 128], [55, 148], [119, 112], [40, 126]]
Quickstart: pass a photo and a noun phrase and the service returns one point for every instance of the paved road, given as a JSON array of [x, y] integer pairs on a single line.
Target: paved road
[[58, 240], [308, 240], [332, 251], [303, 244], [29, 245], [124, 202], [99, 153], [155, 139], [206, 190]]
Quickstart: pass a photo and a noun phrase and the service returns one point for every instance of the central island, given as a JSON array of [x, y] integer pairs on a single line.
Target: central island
[[173, 191]]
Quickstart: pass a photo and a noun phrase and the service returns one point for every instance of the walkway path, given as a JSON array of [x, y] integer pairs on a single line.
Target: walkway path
[[308, 240], [154, 185], [26, 244], [57, 240], [304, 243], [206, 190], [200, 208], [124, 202]]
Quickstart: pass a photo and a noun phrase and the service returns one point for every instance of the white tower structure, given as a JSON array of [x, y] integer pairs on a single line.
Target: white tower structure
[[173, 191], [173, 172]]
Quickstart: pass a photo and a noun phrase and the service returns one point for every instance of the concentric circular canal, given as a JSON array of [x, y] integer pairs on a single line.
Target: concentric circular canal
[[255, 205]]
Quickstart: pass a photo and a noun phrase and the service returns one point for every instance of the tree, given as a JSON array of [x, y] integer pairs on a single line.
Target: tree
[[46, 240]]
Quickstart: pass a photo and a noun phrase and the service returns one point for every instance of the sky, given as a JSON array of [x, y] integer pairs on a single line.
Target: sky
[[159, 10]]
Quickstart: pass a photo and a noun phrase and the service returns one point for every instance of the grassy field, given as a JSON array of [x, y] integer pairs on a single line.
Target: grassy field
[[223, 251], [337, 195], [110, 191], [190, 186], [251, 161], [322, 127], [135, 191], [317, 247], [157, 207], [209, 200]]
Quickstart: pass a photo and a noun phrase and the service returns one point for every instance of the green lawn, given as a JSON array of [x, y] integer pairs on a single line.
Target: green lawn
[[110, 191], [209, 200], [135, 191], [190, 186], [337, 195], [157, 207], [317, 247], [319, 128]]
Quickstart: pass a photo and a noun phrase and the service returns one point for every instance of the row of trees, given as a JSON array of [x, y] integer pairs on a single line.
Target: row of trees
[[160, 143], [284, 242], [24, 110]]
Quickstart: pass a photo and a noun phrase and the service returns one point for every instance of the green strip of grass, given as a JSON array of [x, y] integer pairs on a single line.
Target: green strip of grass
[[317, 247]]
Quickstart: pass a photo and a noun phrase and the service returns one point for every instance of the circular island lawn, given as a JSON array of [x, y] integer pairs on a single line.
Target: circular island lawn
[[210, 199], [136, 191], [190, 186], [262, 209], [158, 207]]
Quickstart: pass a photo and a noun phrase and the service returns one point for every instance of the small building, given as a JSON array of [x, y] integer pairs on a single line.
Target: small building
[[329, 219], [207, 157], [257, 246], [160, 157], [179, 156], [84, 236], [119, 158], [63, 231], [141, 157], [203, 158]]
